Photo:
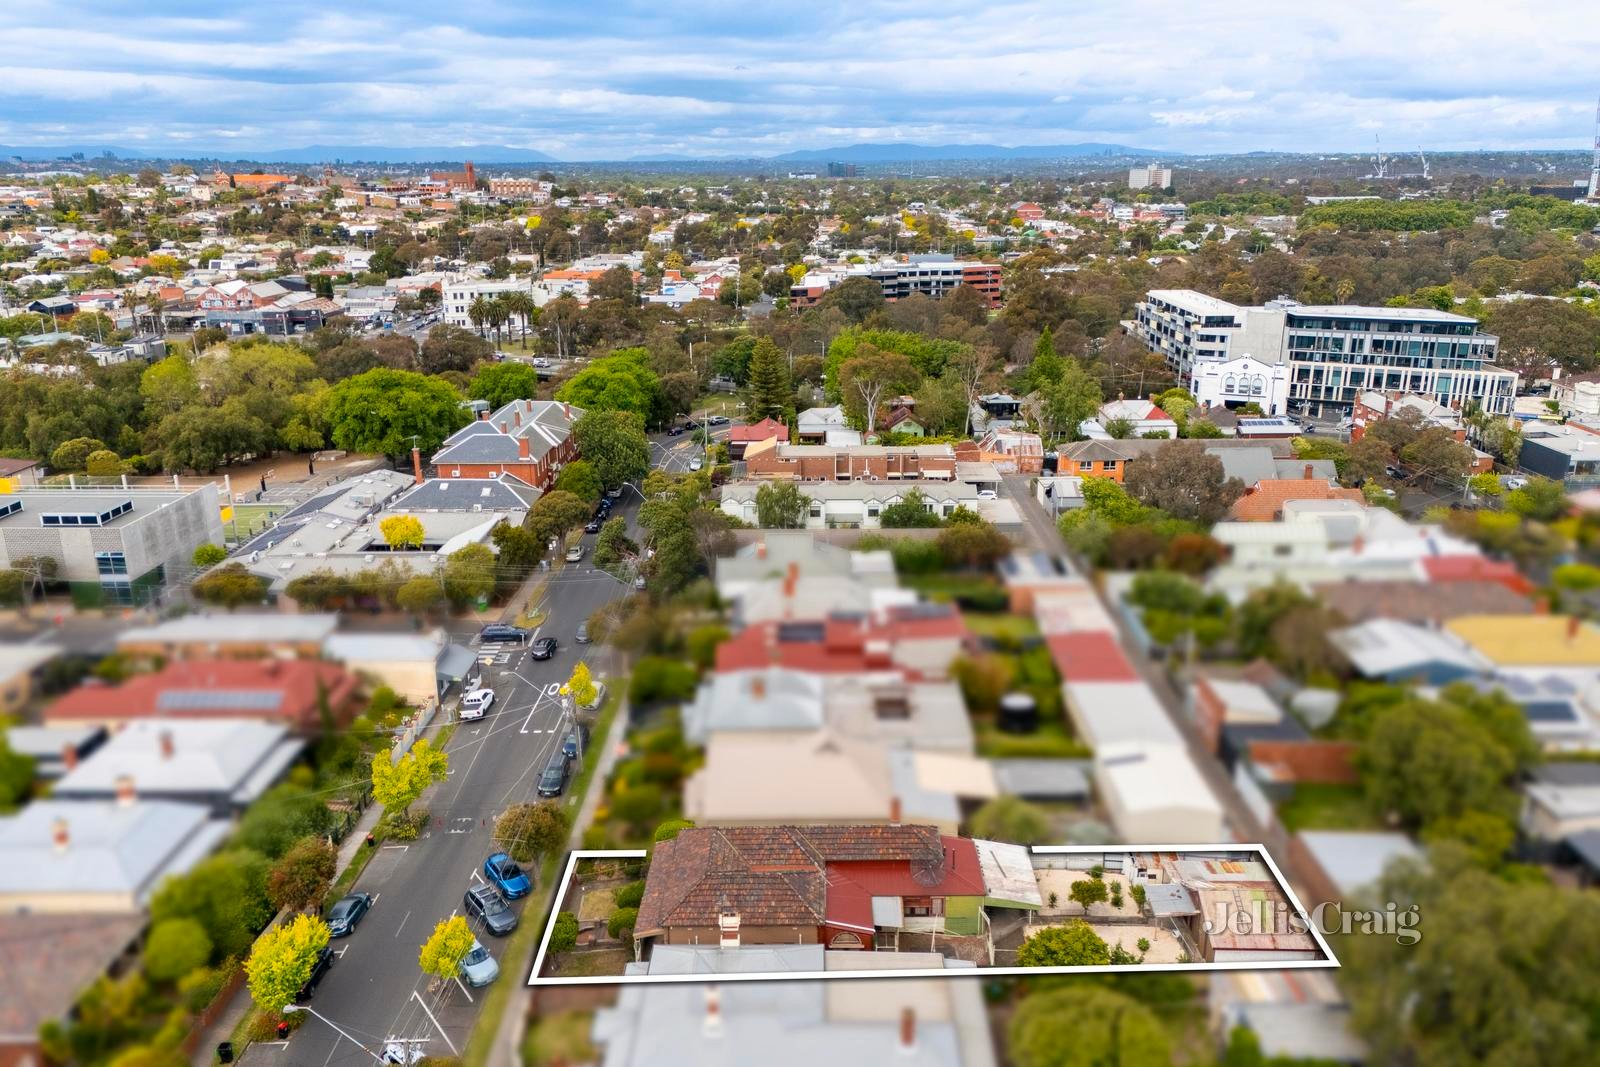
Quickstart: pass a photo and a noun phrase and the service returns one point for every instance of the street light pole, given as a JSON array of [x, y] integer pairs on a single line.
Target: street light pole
[[291, 1008]]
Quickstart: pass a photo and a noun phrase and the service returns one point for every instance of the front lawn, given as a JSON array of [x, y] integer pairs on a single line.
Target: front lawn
[[1052, 740], [1328, 807], [1007, 628]]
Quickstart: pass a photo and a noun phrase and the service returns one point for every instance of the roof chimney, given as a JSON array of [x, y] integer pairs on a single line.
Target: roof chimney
[[758, 686], [894, 810], [516, 417], [1308, 472], [761, 550], [483, 416], [504, 428], [126, 793], [1574, 624], [713, 1024], [164, 739], [416, 465], [69, 756], [527, 405], [522, 449], [908, 1029], [60, 833]]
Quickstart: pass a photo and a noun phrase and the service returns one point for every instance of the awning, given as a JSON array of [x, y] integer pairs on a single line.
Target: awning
[[455, 663], [886, 912]]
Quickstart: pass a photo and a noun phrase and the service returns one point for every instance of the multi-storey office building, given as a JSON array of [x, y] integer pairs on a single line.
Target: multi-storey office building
[[459, 294], [1329, 353], [932, 275]]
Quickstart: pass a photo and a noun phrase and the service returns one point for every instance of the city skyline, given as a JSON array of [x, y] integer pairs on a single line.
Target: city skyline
[[639, 82]]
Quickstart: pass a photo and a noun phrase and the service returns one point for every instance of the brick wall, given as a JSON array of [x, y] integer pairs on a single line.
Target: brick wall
[[1323, 762]]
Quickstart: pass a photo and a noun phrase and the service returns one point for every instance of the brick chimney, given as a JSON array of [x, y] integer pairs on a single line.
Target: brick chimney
[[758, 686], [504, 428], [894, 810], [522, 449], [126, 793], [527, 405], [761, 550], [713, 1023], [516, 417], [908, 1030], [416, 465], [1309, 469], [164, 739], [61, 834], [483, 416], [69, 757], [566, 411]]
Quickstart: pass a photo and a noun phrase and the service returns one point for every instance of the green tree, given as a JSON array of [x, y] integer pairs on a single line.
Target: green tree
[[174, 948], [781, 506], [282, 960], [771, 393], [909, 512], [620, 382], [382, 411], [230, 586], [469, 574], [501, 383], [564, 932], [1089, 891], [1010, 818], [300, 878], [1487, 484], [1060, 404], [528, 831], [972, 545], [1086, 1026], [103, 464], [555, 513], [74, 455], [420, 595], [872, 376], [446, 947], [402, 531], [1185, 481], [226, 893], [622, 922], [208, 555], [452, 348], [397, 785], [581, 480], [16, 775], [614, 545], [1543, 499], [733, 359], [615, 443], [1074, 944]]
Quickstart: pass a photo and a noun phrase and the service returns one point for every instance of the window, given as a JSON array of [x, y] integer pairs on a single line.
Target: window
[[110, 563], [1109, 465]]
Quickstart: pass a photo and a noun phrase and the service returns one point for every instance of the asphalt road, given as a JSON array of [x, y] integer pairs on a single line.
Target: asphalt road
[[494, 762]]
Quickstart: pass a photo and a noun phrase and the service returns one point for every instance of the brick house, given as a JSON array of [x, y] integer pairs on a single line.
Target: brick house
[[531, 440], [740, 438], [817, 463], [844, 887]]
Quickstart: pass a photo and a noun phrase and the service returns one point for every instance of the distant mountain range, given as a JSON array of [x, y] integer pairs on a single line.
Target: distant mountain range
[[901, 152]]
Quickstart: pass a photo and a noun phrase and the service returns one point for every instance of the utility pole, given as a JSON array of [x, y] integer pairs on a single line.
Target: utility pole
[[1594, 170]]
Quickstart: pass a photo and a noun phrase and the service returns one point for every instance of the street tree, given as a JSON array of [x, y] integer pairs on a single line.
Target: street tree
[[528, 831], [615, 443], [580, 479], [614, 545], [225, 893], [580, 685], [781, 506], [446, 947], [499, 384], [282, 960], [555, 513], [1074, 944], [469, 574], [397, 785]]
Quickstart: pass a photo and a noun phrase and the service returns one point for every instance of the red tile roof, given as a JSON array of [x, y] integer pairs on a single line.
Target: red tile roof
[[282, 691], [1265, 501], [839, 643], [1479, 569], [759, 431], [1090, 656]]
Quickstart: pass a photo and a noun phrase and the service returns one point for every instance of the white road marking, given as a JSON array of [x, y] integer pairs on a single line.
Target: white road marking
[[402, 925]]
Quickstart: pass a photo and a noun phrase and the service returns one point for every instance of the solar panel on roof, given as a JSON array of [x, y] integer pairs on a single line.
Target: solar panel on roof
[[231, 699], [801, 631]]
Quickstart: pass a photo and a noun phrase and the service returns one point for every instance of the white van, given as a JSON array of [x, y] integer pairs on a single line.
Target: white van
[[476, 703]]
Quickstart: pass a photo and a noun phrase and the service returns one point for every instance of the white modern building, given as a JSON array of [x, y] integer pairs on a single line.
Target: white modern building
[[1329, 354], [459, 293], [1241, 380], [1155, 176]]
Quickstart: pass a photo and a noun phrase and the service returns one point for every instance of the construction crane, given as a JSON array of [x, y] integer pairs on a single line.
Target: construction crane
[[1594, 171], [1423, 156]]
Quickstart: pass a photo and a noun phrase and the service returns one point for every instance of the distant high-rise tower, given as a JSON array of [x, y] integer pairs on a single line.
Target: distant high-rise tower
[[1594, 170]]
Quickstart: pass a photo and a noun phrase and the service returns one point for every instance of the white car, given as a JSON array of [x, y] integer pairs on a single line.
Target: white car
[[988, 494], [1516, 481], [599, 697], [575, 553], [476, 702], [478, 967], [696, 463]]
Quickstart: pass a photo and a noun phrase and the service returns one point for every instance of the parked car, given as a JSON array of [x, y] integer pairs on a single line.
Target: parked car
[[582, 636], [485, 902], [576, 741], [1516, 481], [599, 697], [696, 463], [476, 702], [325, 960], [478, 967], [717, 420], [504, 874], [501, 633], [593, 525], [988, 494], [575, 553], [554, 778], [347, 913], [614, 494], [674, 431], [545, 647], [638, 581]]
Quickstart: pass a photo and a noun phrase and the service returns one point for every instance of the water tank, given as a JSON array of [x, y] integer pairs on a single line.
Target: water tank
[[1019, 713]]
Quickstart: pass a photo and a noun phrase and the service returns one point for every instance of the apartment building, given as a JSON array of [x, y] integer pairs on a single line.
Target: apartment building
[[1155, 176], [459, 294], [531, 189], [930, 275], [1330, 353], [111, 545]]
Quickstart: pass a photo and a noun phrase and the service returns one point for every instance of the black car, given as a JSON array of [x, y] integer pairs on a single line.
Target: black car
[[554, 778], [593, 525], [485, 902], [575, 741], [325, 960], [674, 431], [347, 913], [500, 633], [544, 648]]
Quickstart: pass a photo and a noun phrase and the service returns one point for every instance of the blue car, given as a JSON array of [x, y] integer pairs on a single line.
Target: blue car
[[504, 874]]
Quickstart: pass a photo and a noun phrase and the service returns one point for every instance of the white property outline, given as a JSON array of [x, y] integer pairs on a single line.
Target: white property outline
[[1329, 962]]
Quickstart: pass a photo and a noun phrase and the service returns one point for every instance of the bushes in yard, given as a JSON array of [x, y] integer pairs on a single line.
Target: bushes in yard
[[621, 923], [175, 948], [564, 932], [657, 678], [630, 895]]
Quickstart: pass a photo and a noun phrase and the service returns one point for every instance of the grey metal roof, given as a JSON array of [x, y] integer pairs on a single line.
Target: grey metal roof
[[1042, 777], [1304, 1031], [747, 959], [1167, 899], [262, 626], [111, 847], [503, 493], [208, 757], [1355, 860]]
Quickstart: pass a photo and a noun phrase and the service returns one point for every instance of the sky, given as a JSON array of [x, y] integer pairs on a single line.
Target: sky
[[605, 80]]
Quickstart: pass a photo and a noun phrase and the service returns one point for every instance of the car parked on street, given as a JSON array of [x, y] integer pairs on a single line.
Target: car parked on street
[[696, 463], [319, 969], [593, 525], [554, 778], [500, 633], [599, 697], [504, 874], [674, 431], [544, 647], [576, 741], [485, 902], [478, 967], [575, 553], [476, 703], [347, 913]]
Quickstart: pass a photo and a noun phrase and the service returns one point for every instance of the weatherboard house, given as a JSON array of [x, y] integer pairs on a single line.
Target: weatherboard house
[[845, 887]]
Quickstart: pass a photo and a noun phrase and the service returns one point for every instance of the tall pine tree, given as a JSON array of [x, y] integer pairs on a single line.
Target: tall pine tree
[[1047, 365], [771, 391]]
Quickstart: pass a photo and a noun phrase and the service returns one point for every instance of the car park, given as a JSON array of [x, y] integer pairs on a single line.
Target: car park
[[485, 903], [545, 647], [346, 914], [575, 553], [504, 874], [478, 967], [476, 703], [500, 633], [319, 970], [554, 777]]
